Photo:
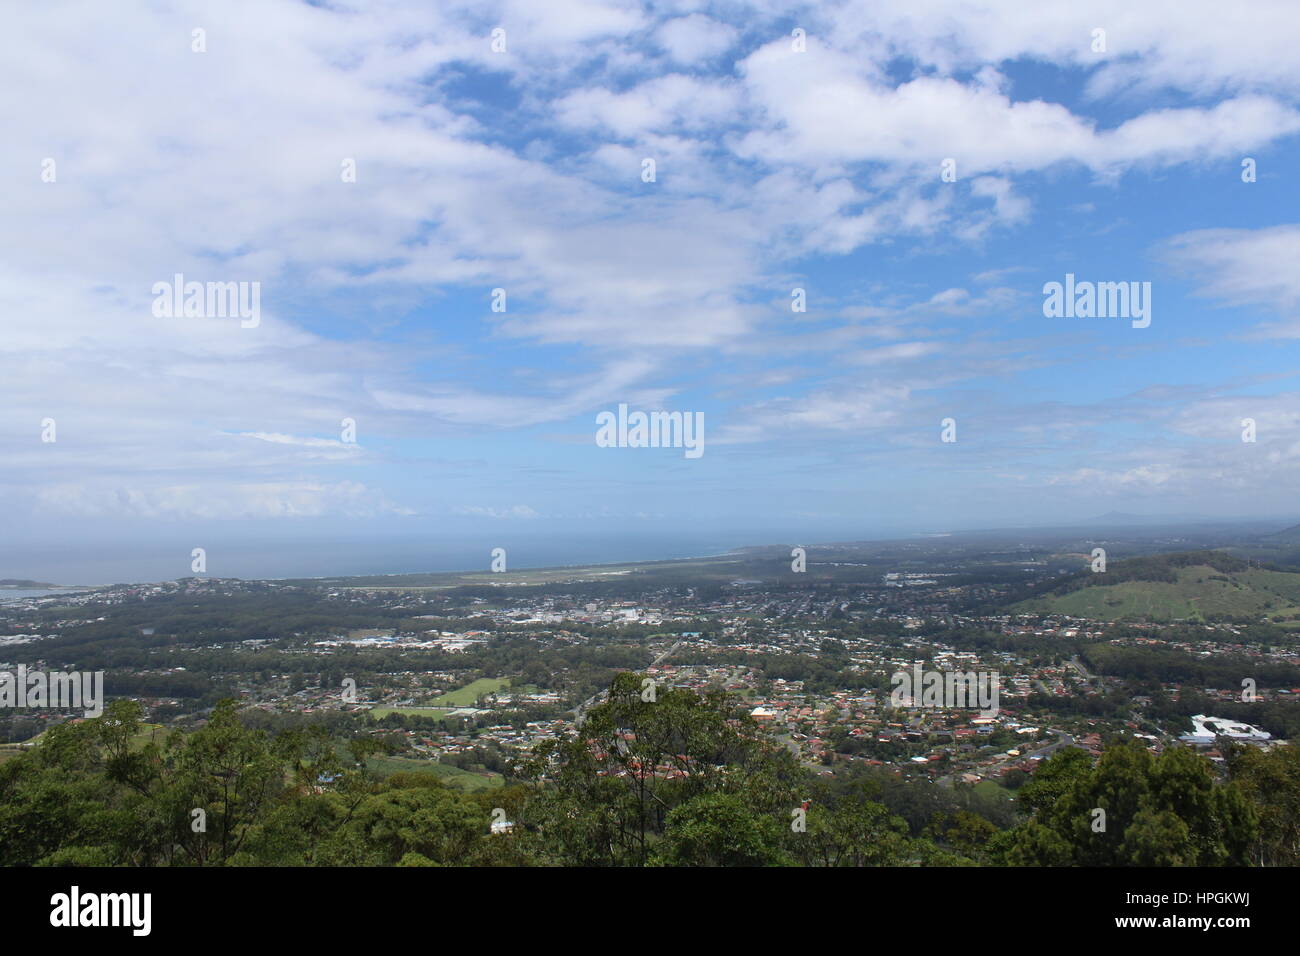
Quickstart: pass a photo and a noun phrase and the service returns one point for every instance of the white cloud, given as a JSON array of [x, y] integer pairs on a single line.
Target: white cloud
[[514, 511], [1186, 44], [226, 165], [1245, 267], [695, 38], [830, 109], [214, 500], [838, 409], [666, 103]]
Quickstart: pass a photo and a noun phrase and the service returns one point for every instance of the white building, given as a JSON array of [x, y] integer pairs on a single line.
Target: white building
[[1206, 729]]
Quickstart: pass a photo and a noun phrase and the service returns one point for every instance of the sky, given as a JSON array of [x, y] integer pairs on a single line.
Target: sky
[[920, 170]]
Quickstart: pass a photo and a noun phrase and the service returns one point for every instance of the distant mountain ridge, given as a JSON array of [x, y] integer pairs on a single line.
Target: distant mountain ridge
[[1289, 535]]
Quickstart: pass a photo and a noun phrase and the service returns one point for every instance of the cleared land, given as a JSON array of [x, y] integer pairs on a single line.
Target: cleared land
[[441, 705], [452, 776], [1198, 592]]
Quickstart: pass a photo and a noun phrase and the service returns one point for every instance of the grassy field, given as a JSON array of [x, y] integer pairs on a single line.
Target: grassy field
[[452, 776], [149, 733], [467, 695], [1198, 592], [993, 788], [441, 705]]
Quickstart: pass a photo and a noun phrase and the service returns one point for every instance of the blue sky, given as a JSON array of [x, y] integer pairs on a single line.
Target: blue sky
[[776, 168]]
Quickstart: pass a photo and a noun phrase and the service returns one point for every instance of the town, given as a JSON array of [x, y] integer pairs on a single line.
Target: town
[[466, 677]]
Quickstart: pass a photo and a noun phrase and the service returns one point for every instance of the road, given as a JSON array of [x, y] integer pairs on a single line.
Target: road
[[1083, 671], [1062, 740], [580, 712]]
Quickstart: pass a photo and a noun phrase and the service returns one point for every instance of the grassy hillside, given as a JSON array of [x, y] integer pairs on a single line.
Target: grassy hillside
[[1287, 537], [1185, 586], [452, 776]]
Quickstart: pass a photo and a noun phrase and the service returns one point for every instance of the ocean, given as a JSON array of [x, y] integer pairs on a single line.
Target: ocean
[[125, 564]]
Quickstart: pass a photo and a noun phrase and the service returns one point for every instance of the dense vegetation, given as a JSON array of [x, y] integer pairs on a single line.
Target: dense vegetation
[[651, 778]]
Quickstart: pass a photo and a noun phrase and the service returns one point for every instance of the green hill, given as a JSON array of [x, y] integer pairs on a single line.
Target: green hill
[[1287, 536], [1280, 548], [1192, 585]]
